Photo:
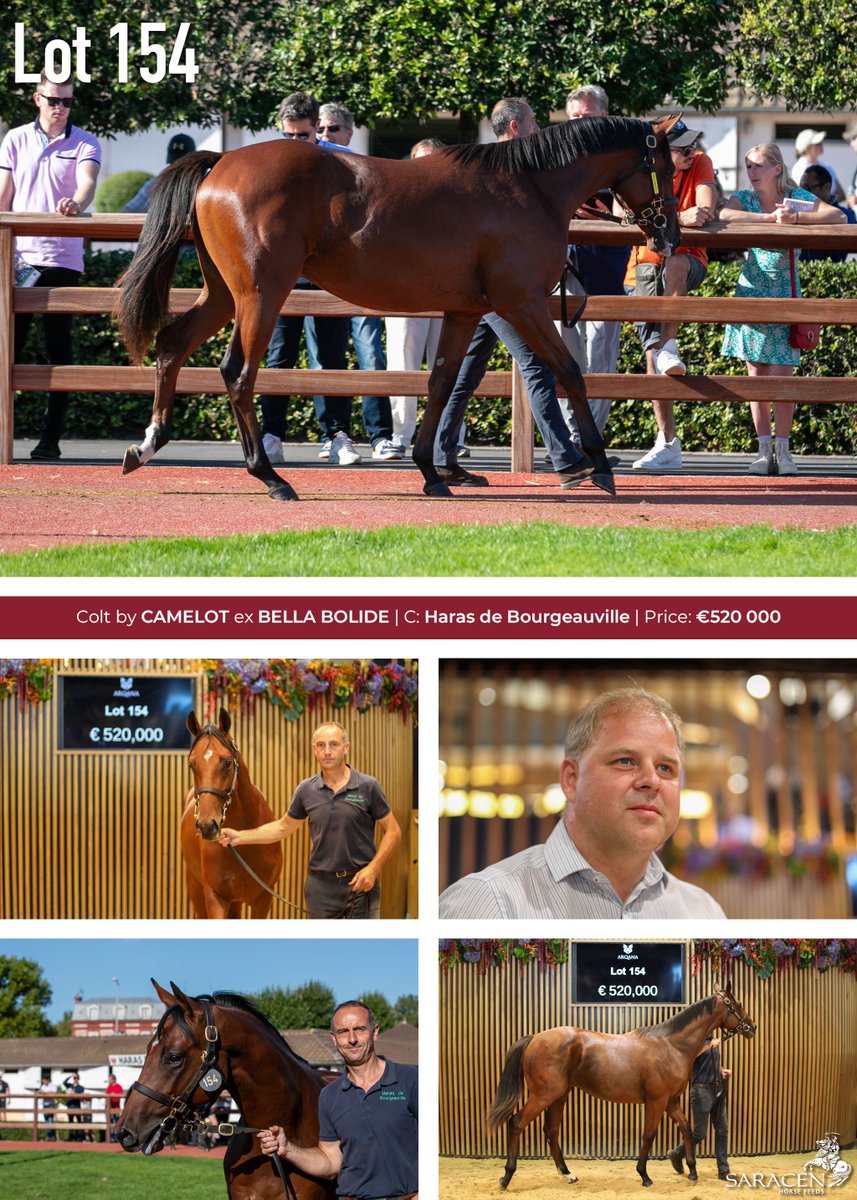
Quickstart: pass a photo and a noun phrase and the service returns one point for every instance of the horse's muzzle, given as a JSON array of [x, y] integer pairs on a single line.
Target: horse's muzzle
[[209, 831], [127, 1140]]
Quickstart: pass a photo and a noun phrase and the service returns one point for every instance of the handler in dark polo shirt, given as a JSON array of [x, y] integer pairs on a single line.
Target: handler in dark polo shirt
[[342, 806], [367, 1119]]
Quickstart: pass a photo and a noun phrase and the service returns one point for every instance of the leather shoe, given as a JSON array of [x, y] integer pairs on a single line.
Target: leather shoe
[[46, 451]]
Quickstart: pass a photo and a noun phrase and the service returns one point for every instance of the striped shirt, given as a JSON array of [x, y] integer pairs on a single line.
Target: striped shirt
[[555, 881]]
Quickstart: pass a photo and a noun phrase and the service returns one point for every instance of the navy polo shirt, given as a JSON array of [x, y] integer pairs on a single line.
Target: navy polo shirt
[[376, 1131], [341, 824]]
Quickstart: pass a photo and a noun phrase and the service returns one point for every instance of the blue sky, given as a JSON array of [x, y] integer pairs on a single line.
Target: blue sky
[[87, 965]]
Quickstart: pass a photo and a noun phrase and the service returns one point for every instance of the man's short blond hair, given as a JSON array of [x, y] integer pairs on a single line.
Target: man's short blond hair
[[331, 725], [584, 728]]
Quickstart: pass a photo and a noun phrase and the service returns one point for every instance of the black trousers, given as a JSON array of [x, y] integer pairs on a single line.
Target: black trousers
[[58, 343]]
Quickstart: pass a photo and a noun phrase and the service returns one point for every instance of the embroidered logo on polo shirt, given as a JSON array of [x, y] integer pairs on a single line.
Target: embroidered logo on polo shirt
[[355, 798], [389, 1094]]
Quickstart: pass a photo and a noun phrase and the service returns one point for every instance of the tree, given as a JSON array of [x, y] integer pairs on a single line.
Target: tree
[[24, 993], [400, 59], [802, 53], [384, 1013], [307, 1007], [229, 37], [62, 1028], [407, 1008]]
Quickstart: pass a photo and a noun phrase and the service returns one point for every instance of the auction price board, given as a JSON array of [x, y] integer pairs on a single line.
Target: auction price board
[[628, 973], [124, 712]]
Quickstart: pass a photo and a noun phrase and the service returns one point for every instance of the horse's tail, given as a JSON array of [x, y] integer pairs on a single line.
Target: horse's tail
[[511, 1085], [144, 289]]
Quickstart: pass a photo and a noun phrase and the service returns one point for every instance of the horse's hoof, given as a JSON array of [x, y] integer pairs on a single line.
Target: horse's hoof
[[677, 1160], [647, 1183], [694, 1178], [457, 477], [504, 1182], [605, 481], [283, 491], [131, 461], [570, 1178], [437, 491]]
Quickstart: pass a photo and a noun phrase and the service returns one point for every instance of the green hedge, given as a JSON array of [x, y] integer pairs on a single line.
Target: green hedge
[[726, 427]]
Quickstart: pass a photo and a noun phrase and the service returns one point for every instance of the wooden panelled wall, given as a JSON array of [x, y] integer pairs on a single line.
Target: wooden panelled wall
[[793, 1082], [96, 834], [801, 775]]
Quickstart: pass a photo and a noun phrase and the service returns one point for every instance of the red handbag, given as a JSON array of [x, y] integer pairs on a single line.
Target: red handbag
[[803, 336]]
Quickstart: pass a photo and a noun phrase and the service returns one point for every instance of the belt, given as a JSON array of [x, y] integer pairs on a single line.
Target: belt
[[337, 875], [408, 1196]]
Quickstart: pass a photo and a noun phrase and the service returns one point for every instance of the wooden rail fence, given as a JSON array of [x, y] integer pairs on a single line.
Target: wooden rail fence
[[792, 1083], [95, 834], [721, 388], [24, 1110]]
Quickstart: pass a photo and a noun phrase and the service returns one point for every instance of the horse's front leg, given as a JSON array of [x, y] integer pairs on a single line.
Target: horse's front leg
[[455, 337], [515, 1127], [652, 1118], [675, 1113], [533, 322], [173, 346]]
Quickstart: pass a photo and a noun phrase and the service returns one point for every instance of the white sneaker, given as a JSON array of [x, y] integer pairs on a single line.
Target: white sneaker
[[667, 361], [786, 465], [387, 451], [463, 451], [324, 452], [766, 463], [663, 456], [342, 452], [273, 448]]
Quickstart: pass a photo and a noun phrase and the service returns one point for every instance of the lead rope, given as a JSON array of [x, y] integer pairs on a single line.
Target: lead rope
[[226, 1129], [345, 915]]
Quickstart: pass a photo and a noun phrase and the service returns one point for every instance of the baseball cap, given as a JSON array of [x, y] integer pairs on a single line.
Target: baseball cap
[[807, 138], [680, 136], [179, 146]]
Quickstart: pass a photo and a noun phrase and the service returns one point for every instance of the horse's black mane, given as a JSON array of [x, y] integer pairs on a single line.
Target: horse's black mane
[[556, 146], [224, 1000], [680, 1020]]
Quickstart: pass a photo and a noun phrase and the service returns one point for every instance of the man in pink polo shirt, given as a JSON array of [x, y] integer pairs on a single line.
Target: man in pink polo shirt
[[50, 166]]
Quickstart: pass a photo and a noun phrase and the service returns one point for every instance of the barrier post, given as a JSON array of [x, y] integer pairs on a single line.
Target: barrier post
[[522, 423], [7, 341]]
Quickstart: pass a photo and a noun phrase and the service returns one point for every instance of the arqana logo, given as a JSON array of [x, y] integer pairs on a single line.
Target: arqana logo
[[627, 949], [828, 1160]]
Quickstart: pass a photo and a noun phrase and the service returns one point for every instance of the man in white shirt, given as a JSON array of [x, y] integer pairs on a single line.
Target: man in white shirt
[[621, 779]]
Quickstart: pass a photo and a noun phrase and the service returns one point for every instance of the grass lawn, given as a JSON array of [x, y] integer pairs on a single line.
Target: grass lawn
[[61, 1175], [540, 549]]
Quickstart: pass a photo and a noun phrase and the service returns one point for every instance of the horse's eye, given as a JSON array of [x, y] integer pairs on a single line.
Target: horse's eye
[[174, 1058]]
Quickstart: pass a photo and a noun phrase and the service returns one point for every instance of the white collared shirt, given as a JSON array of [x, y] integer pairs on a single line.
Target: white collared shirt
[[554, 880]]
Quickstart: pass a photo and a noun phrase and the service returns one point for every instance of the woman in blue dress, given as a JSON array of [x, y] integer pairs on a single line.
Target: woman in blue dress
[[765, 348]]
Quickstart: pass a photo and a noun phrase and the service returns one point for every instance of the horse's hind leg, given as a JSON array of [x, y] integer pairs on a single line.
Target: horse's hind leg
[[553, 1121], [515, 1127], [173, 346], [255, 317], [455, 336]]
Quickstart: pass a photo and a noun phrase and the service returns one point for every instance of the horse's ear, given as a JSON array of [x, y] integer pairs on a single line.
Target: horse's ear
[[181, 998], [192, 723], [225, 720], [665, 124], [165, 997]]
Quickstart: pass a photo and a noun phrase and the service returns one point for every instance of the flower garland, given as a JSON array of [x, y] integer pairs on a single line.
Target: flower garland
[[31, 678], [817, 860], [767, 957], [485, 953], [296, 686]]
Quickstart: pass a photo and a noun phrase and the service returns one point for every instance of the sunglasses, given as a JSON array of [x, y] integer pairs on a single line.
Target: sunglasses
[[329, 128], [56, 101], [300, 136], [687, 150]]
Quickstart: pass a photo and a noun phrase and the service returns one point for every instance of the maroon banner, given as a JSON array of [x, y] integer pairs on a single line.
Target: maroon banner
[[430, 617]]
